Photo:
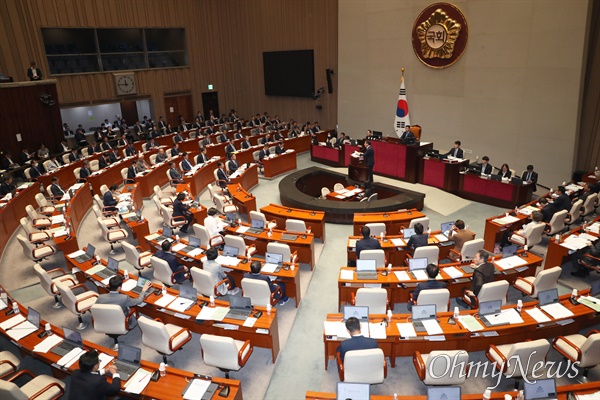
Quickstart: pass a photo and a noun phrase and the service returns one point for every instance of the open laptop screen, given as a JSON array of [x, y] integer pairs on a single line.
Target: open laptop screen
[[33, 317], [90, 250], [417, 263], [240, 302], [72, 336], [188, 292], [510, 250], [408, 232], [193, 241], [258, 223], [446, 226], [355, 391], [443, 393], [273, 258], [113, 264], [595, 288], [230, 251], [167, 232], [366, 265], [129, 353], [549, 296], [540, 389], [360, 312], [421, 312], [490, 307]]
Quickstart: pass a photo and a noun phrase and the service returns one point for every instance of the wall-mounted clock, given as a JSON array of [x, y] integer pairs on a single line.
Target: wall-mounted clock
[[125, 84]]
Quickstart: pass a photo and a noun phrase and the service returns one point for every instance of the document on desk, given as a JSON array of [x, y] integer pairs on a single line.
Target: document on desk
[[574, 242], [453, 272], [150, 237], [588, 237], [420, 275], [138, 381], [95, 269], [470, 323], [351, 242], [528, 210], [377, 330], [231, 261], [346, 274], [505, 220], [590, 302], [2, 305], [595, 227], [538, 315], [269, 268], [164, 300], [507, 316], [557, 311], [398, 242], [71, 357], [58, 219], [195, 252], [178, 247], [336, 328], [441, 238], [180, 304], [510, 262], [242, 229], [45, 345], [406, 329], [196, 389], [402, 276], [12, 321], [432, 327], [104, 359], [213, 313], [591, 396], [129, 285], [249, 322], [21, 330]]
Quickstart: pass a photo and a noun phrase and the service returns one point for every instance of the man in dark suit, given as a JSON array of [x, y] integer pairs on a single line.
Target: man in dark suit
[[105, 146], [74, 156], [34, 73], [7, 185], [456, 151], [183, 126], [178, 138], [590, 255], [530, 177], [165, 254], [280, 149], [80, 138], [130, 150], [369, 156], [25, 157], [174, 173], [138, 130], [151, 144], [67, 130], [63, 147], [223, 180], [563, 201], [486, 167], [186, 165], [246, 144], [35, 171], [419, 238], [431, 283], [483, 273], [175, 150], [229, 149], [109, 200], [254, 273], [264, 152], [548, 209], [161, 156], [181, 210], [357, 341], [222, 138], [89, 383], [367, 242], [407, 134], [232, 164], [239, 134], [131, 172], [85, 170], [113, 156], [162, 125], [57, 191], [103, 161], [340, 140], [93, 148], [202, 157]]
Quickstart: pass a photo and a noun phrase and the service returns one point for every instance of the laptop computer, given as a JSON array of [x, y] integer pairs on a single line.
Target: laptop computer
[[486, 308], [140, 284], [366, 269], [167, 233], [231, 218], [541, 389], [136, 217], [239, 308], [288, 236], [416, 268], [128, 360], [257, 226], [193, 243], [33, 317], [495, 177], [230, 251], [549, 296], [446, 227], [112, 268], [422, 313], [72, 340], [509, 250], [208, 394], [90, 251], [516, 181], [359, 312], [188, 293], [273, 259], [407, 233], [443, 393], [354, 391]]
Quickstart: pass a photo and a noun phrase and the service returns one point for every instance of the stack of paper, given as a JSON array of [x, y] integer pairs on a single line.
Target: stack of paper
[[377, 330], [420, 274], [196, 389], [45, 345], [232, 261], [406, 329], [180, 304], [269, 268], [336, 329], [346, 274], [510, 262], [469, 322], [21, 330], [12, 321], [505, 220], [575, 242], [557, 311], [138, 381], [71, 357], [538, 315], [402, 276], [398, 242], [165, 300], [441, 238], [352, 243], [453, 272], [591, 302], [178, 247], [213, 313], [506, 316]]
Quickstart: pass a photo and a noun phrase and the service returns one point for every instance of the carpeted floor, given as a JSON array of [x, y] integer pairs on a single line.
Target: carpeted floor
[[300, 365]]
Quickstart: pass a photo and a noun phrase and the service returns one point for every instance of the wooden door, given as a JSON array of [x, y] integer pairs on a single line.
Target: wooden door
[[129, 112], [176, 106]]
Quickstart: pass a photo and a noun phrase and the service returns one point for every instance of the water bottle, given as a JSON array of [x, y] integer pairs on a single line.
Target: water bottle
[[381, 236], [389, 315], [456, 312], [162, 368], [525, 248], [164, 289], [574, 294], [177, 238], [269, 307], [15, 307], [519, 306], [125, 274], [212, 300], [487, 395], [48, 329], [389, 268]]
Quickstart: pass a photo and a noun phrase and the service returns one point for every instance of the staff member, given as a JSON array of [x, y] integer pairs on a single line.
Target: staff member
[[369, 156]]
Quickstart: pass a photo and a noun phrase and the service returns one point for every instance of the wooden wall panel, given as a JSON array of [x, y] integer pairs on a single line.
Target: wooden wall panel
[[225, 41]]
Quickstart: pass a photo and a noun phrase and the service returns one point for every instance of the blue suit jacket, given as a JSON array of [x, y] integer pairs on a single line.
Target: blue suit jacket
[[358, 342], [417, 241], [430, 284], [366, 244]]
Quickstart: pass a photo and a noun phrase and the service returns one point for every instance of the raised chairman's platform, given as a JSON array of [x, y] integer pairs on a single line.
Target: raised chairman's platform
[[302, 189]]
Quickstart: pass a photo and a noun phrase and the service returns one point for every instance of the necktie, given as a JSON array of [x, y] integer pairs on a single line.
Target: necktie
[[528, 176]]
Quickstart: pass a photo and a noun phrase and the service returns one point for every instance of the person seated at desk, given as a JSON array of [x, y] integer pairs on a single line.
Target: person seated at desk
[[218, 274], [67, 130], [178, 138], [419, 238], [122, 142], [122, 300], [103, 161], [131, 172], [589, 255], [530, 177], [246, 144], [432, 271], [180, 271], [562, 201], [105, 145], [222, 138], [186, 165], [536, 217], [182, 210], [238, 134], [264, 152], [197, 124], [161, 156], [63, 147], [232, 164], [213, 223], [80, 138], [35, 170], [89, 381], [52, 164], [7, 161], [202, 158], [280, 149], [43, 151], [55, 189], [85, 170], [485, 168], [367, 242], [357, 341], [174, 173], [74, 156], [93, 148], [254, 273], [483, 273], [175, 150], [109, 199], [113, 156], [505, 172], [548, 209], [340, 140], [407, 134], [130, 150], [456, 151], [229, 149], [141, 164], [151, 144], [222, 178], [25, 156], [277, 136], [7, 186], [459, 235]]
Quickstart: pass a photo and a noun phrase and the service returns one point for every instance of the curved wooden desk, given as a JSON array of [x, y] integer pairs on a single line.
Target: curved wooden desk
[[247, 178], [12, 212], [458, 337], [393, 220], [496, 193], [242, 199], [314, 219], [278, 164], [200, 179], [167, 387], [557, 252]]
